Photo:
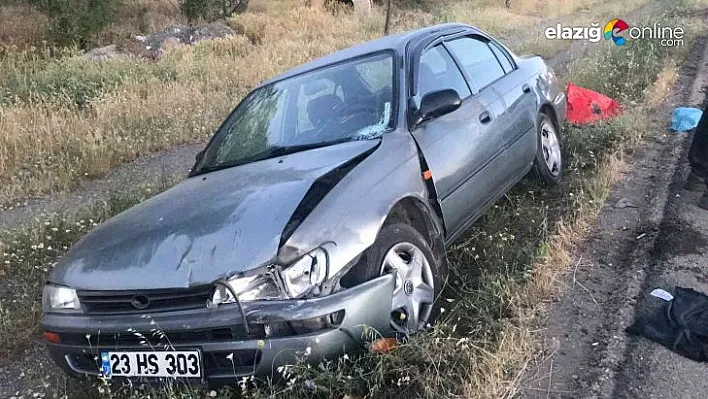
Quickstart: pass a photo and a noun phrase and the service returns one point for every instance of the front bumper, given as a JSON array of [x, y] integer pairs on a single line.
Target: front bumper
[[219, 332]]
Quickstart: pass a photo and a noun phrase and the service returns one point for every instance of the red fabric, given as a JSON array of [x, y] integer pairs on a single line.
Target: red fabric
[[587, 106]]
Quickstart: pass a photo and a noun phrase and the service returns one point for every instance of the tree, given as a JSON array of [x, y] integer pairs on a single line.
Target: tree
[[210, 10], [387, 27], [77, 21]]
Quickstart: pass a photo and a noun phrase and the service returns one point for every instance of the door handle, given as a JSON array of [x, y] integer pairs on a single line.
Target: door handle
[[526, 88], [485, 117]]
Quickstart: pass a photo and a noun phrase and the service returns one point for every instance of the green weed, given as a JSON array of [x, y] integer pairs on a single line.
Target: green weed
[[72, 81]]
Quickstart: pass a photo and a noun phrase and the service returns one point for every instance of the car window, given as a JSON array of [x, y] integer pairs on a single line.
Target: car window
[[477, 60], [310, 92], [502, 56], [376, 74], [437, 71], [348, 101]]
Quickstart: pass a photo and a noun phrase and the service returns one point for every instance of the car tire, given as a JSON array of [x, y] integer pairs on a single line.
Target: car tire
[[548, 164], [399, 242]]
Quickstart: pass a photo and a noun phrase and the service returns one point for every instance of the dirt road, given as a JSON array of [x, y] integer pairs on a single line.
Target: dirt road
[[662, 242]]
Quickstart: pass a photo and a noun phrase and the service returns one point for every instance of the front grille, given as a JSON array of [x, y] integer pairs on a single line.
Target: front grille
[[124, 302], [161, 339]]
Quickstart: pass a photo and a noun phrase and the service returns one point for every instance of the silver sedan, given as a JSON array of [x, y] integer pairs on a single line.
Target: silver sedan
[[321, 206]]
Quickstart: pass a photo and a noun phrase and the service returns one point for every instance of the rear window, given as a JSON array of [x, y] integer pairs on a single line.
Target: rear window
[[502, 56], [437, 71], [477, 60]]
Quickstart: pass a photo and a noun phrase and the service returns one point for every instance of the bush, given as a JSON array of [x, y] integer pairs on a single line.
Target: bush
[[409, 4], [76, 22], [211, 10]]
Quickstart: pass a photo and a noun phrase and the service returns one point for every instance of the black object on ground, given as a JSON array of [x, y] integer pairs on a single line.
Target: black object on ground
[[680, 324], [698, 153]]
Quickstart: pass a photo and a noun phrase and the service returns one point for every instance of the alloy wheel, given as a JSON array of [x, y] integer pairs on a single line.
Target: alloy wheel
[[551, 148]]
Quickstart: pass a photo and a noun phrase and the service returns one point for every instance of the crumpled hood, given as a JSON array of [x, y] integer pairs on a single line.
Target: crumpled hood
[[207, 227]]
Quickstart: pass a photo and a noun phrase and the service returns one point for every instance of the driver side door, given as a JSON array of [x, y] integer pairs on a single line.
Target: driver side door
[[463, 148]]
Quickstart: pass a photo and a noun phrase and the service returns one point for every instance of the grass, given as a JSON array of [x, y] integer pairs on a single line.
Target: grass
[[502, 271], [21, 26], [72, 82]]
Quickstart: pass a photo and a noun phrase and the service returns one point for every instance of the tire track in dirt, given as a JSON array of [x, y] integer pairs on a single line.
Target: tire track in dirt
[[157, 169]]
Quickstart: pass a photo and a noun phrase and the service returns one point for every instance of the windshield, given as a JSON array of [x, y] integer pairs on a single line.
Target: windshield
[[351, 101]]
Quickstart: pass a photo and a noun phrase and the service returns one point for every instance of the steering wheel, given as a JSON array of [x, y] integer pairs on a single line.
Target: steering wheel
[[340, 122], [368, 111]]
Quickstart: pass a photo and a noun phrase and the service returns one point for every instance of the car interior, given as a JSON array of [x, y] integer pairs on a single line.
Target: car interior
[[338, 105]]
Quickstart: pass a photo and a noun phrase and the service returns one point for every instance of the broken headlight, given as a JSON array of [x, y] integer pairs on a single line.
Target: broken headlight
[[253, 288], [297, 280], [57, 298], [302, 276]]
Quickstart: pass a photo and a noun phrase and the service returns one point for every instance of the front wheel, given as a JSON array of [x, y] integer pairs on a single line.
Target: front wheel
[[549, 157], [401, 249]]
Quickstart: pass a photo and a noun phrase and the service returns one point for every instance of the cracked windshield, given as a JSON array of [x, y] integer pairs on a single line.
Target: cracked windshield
[[350, 101]]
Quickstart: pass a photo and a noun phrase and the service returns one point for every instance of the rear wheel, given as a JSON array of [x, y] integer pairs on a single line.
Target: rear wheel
[[401, 249], [549, 156]]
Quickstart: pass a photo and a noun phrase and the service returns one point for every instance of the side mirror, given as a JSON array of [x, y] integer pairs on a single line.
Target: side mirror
[[438, 103], [197, 160], [199, 156]]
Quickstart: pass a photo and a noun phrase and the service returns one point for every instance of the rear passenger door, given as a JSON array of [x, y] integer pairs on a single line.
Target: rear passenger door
[[488, 66], [462, 149]]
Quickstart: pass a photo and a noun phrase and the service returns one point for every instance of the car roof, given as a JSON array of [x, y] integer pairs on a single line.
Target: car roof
[[396, 42]]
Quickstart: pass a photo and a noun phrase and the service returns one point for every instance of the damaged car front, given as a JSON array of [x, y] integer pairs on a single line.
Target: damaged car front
[[248, 263]]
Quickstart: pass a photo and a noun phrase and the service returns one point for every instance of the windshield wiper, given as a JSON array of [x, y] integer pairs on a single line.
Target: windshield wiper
[[276, 151]]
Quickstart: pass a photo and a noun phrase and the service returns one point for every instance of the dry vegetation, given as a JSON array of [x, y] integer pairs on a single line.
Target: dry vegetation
[[21, 26], [64, 118], [88, 117]]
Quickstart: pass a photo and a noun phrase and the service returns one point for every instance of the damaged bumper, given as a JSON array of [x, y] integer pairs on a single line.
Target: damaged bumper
[[280, 332]]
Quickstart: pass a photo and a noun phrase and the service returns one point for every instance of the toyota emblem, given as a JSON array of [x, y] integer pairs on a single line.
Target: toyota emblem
[[140, 302]]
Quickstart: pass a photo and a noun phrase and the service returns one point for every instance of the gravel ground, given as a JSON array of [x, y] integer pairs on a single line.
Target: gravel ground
[[156, 169], [649, 370]]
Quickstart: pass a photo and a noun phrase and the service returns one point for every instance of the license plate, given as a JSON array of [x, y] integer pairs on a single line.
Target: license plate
[[177, 364]]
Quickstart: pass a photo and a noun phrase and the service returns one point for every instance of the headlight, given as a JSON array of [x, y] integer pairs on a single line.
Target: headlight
[[303, 275], [58, 298], [248, 289]]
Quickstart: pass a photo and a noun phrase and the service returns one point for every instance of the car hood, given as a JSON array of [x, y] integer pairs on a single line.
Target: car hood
[[207, 227]]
